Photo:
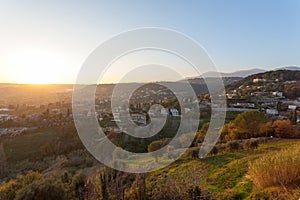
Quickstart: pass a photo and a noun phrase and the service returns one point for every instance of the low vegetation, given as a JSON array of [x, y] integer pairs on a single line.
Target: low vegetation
[[277, 169]]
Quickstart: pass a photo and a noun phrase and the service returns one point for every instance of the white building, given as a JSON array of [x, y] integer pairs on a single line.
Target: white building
[[277, 94], [272, 112], [292, 107], [174, 112]]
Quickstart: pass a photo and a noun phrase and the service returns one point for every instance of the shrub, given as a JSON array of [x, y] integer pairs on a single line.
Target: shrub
[[214, 150], [281, 193], [251, 144], [279, 169], [41, 190], [232, 146], [9, 190], [195, 193], [200, 135], [284, 129], [221, 147], [191, 153], [79, 185]]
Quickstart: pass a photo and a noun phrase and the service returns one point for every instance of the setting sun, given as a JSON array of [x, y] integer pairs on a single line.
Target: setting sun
[[35, 66]]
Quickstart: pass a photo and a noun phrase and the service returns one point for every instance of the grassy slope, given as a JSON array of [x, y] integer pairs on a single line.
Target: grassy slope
[[227, 172], [221, 174]]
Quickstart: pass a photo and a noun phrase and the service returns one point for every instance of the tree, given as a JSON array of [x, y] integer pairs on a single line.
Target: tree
[[229, 132], [284, 129], [244, 126], [249, 123], [267, 129]]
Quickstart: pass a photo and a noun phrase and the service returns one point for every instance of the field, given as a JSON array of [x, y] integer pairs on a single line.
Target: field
[[224, 175], [221, 176]]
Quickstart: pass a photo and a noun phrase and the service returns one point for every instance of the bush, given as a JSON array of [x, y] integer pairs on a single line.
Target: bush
[[274, 193], [41, 190], [232, 146], [79, 185], [284, 129], [200, 135], [214, 150], [251, 144], [279, 169], [221, 147], [191, 153], [9, 190]]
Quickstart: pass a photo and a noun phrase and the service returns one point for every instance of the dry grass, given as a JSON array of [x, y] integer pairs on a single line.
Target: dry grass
[[276, 169]]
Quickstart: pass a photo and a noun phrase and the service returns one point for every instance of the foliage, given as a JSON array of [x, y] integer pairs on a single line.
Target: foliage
[[103, 184], [284, 129], [276, 169], [245, 125], [251, 144], [253, 124], [280, 193], [41, 190], [232, 146], [248, 123], [79, 185], [191, 153], [200, 135], [10, 189]]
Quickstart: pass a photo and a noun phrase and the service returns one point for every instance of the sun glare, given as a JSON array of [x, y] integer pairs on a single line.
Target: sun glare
[[36, 67]]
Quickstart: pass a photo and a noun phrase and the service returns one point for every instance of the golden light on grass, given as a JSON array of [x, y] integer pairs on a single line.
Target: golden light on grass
[[276, 169]]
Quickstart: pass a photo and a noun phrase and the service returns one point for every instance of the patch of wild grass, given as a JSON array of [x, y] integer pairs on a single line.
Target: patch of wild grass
[[276, 169]]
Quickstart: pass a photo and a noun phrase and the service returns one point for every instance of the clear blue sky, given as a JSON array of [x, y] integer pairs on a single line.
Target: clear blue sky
[[237, 34]]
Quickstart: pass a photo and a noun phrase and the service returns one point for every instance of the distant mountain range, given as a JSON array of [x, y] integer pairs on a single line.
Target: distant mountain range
[[289, 68], [239, 73], [245, 73]]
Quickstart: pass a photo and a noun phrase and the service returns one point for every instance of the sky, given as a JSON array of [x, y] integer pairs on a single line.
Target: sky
[[48, 41]]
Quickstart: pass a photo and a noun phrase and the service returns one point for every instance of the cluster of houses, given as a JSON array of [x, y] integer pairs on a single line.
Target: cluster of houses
[[257, 97]]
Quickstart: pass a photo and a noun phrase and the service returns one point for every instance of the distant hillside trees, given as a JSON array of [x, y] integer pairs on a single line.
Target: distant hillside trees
[[279, 80], [245, 125], [254, 124], [292, 90]]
